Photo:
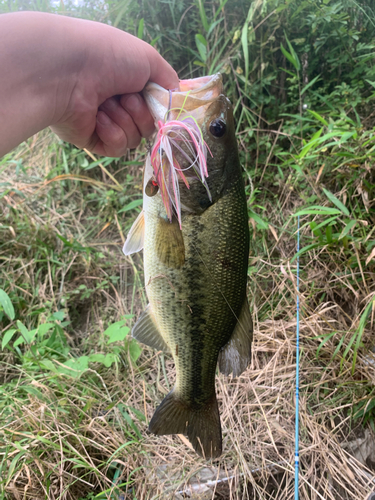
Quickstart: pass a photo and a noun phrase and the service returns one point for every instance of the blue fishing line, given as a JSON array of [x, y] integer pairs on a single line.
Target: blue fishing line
[[296, 454]]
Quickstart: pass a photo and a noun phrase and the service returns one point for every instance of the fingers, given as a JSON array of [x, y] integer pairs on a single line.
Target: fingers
[[112, 140], [120, 124], [135, 105]]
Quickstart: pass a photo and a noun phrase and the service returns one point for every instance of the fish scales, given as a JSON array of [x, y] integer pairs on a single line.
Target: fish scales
[[198, 305], [195, 278]]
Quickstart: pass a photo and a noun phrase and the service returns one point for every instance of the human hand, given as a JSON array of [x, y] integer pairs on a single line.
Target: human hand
[[115, 115], [81, 78]]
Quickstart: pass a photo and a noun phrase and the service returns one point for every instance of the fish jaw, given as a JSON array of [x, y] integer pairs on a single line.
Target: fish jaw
[[194, 96]]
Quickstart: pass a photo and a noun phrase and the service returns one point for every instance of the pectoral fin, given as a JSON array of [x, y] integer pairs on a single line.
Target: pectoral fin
[[136, 236], [146, 331], [169, 243], [236, 354]]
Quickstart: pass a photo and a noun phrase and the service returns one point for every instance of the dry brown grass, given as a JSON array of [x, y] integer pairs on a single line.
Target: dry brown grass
[[72, 434]]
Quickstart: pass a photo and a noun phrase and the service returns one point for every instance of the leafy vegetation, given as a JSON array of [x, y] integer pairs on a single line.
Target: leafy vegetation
[[76, 391]]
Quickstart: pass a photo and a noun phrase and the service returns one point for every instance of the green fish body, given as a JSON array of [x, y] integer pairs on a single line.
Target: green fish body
[[195, 279]]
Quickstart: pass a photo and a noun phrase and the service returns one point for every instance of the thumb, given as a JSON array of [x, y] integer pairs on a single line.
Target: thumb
[[161, 72]]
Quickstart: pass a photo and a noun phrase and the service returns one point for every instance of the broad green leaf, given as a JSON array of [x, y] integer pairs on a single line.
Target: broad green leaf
[[201, 44], [296, 64], [263, 224], [202, 14], [289, 57], [7, 337], [311, 143], [245, 48], [47, 364], [304, 250], [140, 28], [58, 315], [318, 117], [96, 358], [109, 359], [134, 350], [336, 202], [24, 332], [310, 84], [348, 135], [6, 304], [74, 367], [116, 332], [318, 210], [347, 228], [130, 206], [325, 223], [106, 359], [44, 328]]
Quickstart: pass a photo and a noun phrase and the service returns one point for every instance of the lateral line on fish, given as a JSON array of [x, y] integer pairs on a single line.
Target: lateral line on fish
[[218, 288]]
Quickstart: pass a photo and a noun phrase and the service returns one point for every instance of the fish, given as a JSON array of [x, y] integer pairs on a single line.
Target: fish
[[195, 261]]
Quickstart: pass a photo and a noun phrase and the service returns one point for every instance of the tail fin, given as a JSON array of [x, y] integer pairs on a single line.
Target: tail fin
[[202, 426]]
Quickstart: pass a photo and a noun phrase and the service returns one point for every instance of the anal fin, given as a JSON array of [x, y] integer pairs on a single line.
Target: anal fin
[[236, 354], [146, 331], [134, 241]]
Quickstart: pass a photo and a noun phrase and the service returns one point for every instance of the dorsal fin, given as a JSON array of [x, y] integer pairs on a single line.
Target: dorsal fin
[[134, 241], [236, 354]]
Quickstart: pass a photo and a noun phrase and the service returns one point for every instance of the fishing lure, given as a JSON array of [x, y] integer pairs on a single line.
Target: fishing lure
[[185, 136]]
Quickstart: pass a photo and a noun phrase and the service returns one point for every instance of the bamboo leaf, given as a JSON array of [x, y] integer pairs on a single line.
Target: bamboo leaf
[[288, 56], [318, 117], [6, 304], [311, 143], [318, 210], [203, 16], [263, 224], [130, 206], [245, 48], [314, 80], [140, 28], [347, 228], [336, 202], [201, 44], [7, 337]]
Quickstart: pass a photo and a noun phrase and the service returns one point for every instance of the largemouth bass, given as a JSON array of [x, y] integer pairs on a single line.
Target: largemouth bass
[[195, 264]]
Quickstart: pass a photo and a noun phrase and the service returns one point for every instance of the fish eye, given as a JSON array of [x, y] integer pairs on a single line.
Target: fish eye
[[151, 187], [218, 127]]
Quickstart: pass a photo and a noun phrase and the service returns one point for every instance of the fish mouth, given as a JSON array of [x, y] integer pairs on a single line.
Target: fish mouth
[[193, 96]]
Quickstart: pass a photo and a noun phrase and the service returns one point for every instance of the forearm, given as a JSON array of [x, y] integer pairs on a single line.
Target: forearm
[[37, 73]]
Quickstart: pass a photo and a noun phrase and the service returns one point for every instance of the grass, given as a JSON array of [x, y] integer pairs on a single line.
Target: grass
[[83, 434], [77, 393]]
